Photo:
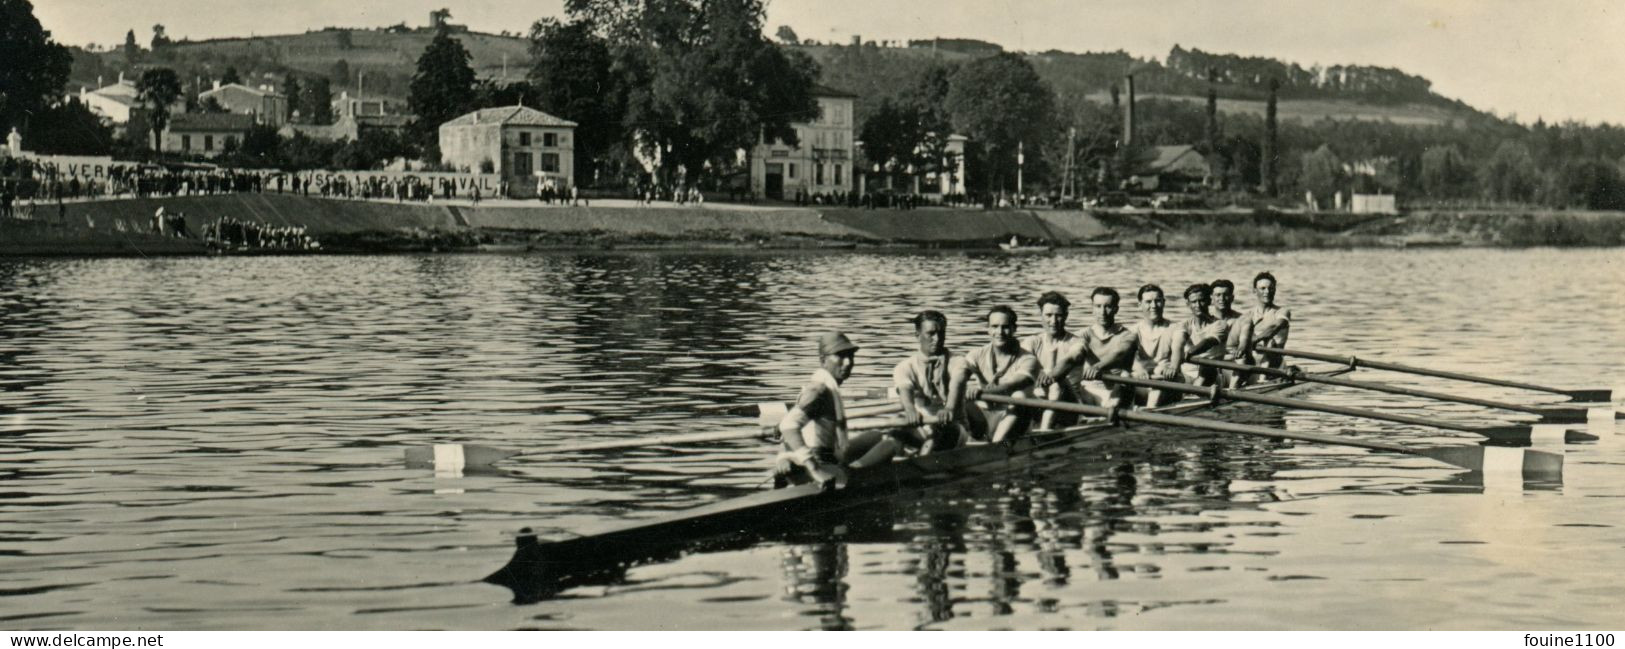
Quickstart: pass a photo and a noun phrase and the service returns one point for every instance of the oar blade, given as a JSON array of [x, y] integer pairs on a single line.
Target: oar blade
[[1526, 462], [1535, 433], [769, 414], [453, 458], [1591, 396]]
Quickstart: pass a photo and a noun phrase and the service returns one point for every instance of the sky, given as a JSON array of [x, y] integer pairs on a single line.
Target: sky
[[1557, 60]]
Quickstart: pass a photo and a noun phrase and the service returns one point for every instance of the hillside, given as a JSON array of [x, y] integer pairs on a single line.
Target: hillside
[[383, 60], [386, 57]]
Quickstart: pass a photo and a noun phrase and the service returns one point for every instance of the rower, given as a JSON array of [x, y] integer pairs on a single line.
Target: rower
[[1271, 323], [1238, 342], [1161, 347], [1001, 367], [1204, 335], [814, 430], [923, 386], [1051, 346], [1107, 348]]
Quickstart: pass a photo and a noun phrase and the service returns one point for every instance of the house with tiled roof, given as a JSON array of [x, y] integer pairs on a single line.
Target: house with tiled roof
[[526, 147], [266, 105], [1174, 168], [114, 102], [206, 134]]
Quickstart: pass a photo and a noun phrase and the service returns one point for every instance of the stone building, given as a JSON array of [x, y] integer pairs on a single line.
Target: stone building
[[526, 147], [265, 105], [821, 163], [206, 134]]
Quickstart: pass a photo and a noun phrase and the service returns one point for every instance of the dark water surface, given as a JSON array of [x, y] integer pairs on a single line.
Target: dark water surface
[[216, 444]]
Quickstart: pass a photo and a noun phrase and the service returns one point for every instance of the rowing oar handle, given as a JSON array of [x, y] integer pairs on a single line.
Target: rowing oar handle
[[1395, 367], [1364, 385], [1192, 422], [1217, 392]]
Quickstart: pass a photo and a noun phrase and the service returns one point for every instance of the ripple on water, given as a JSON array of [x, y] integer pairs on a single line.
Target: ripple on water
[[216, 443]]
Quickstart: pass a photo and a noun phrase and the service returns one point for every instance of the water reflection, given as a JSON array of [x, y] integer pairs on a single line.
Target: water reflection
[[215, 443]]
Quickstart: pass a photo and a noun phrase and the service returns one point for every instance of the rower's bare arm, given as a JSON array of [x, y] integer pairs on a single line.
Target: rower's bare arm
[[1180, 340], [1244, 339], [1021, 378], [958, 377], [1195, 347], [1119, 350], [905, 398]]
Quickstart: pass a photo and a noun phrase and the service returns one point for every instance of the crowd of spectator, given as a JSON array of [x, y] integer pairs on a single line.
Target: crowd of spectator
[[228, 234]]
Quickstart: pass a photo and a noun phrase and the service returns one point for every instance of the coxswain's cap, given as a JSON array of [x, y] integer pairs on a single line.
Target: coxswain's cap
[[834, 342]]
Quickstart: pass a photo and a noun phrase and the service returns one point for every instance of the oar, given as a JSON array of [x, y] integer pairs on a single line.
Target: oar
[[754, 408], [462, 457], [1515, 433], [1472, 458], [1589, 396], [1550, 415]]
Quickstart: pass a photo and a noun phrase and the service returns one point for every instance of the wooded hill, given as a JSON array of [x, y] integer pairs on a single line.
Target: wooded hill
[[386, 58]]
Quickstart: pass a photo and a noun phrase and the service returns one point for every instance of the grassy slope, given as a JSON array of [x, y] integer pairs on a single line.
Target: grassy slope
[[396, 54]]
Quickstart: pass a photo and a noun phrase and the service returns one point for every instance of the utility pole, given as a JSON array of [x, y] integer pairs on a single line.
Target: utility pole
[[1069, 186], [1021, 159]]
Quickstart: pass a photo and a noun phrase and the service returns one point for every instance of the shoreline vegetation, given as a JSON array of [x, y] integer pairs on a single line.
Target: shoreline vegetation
[[120, 227]]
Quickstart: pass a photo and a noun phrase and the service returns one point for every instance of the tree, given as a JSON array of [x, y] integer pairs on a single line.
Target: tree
[[1445, 173], [1510, 174], [443, 86], [787, 35], [1322, 172], [1592, 184], [1000, 102], [294, 94], [1270, 154], [230, 76], [132, 50], [35, 69], [159, 38], [69, 128], [157, 90], [701, 80], [340, 72], [317, 106], [211, 105], [571, 76]]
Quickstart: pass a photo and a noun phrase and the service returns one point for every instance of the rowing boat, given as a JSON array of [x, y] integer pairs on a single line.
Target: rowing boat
[[540, 569], [1022, 249]]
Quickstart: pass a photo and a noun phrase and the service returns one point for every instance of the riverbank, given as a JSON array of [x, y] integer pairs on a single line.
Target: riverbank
[[122, 227]]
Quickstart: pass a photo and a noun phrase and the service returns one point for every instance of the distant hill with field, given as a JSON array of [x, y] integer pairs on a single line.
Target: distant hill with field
[[381, 62]]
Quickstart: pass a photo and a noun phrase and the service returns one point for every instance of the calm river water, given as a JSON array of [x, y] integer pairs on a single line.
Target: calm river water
[[217, 444]]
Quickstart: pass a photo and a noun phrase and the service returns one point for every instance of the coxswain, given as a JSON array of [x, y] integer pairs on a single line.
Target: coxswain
[[924, 389], [1051, 346], [1000, 367], [1160, 350], [1204, 335], [1238, 341], [1271, 323], [814, 430]]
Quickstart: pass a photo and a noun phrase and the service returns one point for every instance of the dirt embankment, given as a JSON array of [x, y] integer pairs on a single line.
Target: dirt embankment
[[123, 227]]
